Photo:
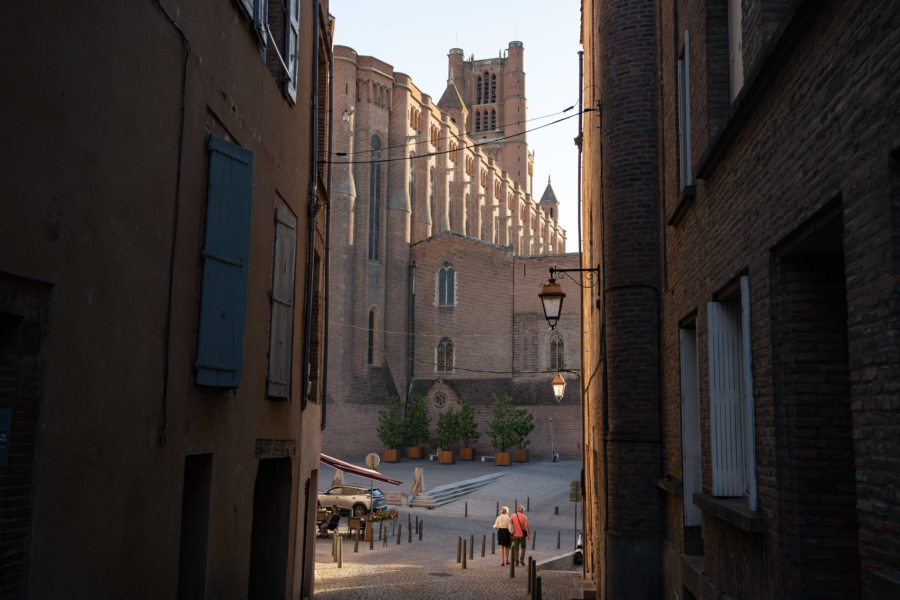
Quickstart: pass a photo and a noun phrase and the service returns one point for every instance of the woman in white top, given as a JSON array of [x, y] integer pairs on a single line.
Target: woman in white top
[[504, 534]]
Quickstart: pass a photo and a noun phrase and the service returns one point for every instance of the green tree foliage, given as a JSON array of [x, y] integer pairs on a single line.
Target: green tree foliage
[[524, 421], [415, 425], [468, 428], [447, 428], [390, 423]]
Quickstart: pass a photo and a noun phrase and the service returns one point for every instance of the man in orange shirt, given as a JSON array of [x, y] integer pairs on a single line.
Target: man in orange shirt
[[521, 532]]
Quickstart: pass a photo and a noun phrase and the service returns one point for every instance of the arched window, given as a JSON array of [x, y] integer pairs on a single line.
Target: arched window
[[557, 352], [493, 88], [445, 356], [487, 79], [371, 341], [431, 192], [446, 285], [478, 87], [493, 119], [375, 199]]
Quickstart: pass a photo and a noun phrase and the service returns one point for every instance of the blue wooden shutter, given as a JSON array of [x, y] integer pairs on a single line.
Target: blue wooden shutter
[[226, 248]]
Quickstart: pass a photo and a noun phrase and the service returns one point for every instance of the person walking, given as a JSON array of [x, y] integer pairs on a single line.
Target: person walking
[[521, 532], [504, 534]]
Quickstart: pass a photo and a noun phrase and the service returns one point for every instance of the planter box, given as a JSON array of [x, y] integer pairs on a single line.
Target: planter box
[[467, 454], [416, 452], [446, 457], [391, 455], [520, 455], [502, 459]]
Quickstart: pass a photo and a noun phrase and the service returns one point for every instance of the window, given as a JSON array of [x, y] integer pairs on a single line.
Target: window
[[486, 80], [735, 48], [226, 248], [690, 422], [477, 120], [493, 119], [478, 88], [444, 363], [431, 190], [493, 88], [557, 352], [412, 177], [446, 285], [375, 199], [731, 396], [371, 338], [281, 325], [277, 26], [686, 176]]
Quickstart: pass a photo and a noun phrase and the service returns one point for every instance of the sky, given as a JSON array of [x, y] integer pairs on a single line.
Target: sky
[[415, 37]]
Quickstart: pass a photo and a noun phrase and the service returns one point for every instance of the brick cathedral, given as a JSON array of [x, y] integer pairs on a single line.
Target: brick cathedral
[[438, 249]]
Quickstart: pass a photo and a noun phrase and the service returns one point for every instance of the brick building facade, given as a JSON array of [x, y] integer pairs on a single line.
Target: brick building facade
[[435, 232], [742, 198], [162, 245]]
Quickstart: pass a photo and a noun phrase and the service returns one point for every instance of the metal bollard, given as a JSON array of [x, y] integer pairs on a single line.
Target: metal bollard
[[555, 510], [399, 531], [528, 503], [410, 535], [493, 539], [471, 546], [512, 564], [356, 541], [537, 589], [557, 538], [458, 548], [498, 510], [464, 554], [371, 534], [421, 527], [533, 539], [340, 553], [466, 515], [483, 541], [530, 582]]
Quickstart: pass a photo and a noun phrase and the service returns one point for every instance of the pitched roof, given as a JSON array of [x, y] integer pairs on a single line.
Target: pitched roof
[[549, 196]]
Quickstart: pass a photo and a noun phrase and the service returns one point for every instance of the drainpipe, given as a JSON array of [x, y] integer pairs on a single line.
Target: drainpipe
[[324, 393], [313, 209]]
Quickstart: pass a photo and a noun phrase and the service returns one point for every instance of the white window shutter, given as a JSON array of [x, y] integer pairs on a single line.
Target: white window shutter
[[725, 395], [281, 327]]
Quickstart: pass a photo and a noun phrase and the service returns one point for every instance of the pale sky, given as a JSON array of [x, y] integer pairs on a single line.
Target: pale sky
[[415, 37]]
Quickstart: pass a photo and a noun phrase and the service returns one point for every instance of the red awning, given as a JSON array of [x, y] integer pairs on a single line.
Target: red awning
[[361, 471]]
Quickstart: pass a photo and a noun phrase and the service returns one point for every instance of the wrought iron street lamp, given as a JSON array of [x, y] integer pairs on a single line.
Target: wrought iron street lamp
[[552, 298]]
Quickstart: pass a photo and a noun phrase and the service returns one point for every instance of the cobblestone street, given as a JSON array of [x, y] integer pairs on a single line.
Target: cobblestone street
[[428, 568]]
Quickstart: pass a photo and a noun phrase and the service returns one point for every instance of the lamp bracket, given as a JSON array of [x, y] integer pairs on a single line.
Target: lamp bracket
[[592, 275]]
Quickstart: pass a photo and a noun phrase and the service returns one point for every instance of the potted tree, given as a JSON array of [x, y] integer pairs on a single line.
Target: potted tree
[[446, 434], [390, 428], [415, 427], [502, 430], [468, 431], [524, 423]]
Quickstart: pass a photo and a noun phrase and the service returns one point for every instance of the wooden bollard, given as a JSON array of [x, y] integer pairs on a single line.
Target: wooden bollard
[[356, 541], [421, 527], [483, 542], [340, 553], [466, 515], [493, 539], [471, 546], [381, 532], [410, 534], [512, 564], [528, 503], [371, 534], [458, 548], [498, 510], [334, 540], [558, 533], [399, 531], [464, 554]]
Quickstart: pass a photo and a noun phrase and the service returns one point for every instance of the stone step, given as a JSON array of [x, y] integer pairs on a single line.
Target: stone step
[[445, 494]]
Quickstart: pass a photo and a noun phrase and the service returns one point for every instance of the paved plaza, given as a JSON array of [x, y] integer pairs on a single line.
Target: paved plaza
[[428, 569]]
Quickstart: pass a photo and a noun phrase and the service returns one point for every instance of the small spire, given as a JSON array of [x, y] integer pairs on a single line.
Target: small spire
[[548, 180]]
